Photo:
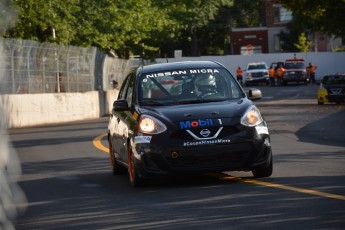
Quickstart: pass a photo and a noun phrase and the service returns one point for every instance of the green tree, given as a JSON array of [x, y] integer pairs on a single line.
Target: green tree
[[126, 27], [37, 19], [191, 16], [7, 16], [122, 26], [319, 15], [290, 37], [303, 44]]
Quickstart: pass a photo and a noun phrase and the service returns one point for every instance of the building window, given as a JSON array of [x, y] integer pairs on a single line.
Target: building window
[[285, 15], [281, 14]]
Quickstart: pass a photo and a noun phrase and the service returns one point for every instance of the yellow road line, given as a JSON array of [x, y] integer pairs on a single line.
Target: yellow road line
[[98, 144], [285, 187]]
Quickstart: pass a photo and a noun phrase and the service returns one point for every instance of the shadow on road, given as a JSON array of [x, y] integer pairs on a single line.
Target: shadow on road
[[329, 130]]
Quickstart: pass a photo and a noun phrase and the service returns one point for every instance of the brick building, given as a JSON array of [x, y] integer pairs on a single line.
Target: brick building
[[265, 38]]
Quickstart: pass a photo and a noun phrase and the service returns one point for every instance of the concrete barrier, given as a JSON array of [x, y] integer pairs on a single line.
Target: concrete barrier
[[24, 110]]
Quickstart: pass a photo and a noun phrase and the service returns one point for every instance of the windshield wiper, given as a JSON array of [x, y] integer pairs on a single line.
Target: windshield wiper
[[190, 102], [202, 101], [151, 102]]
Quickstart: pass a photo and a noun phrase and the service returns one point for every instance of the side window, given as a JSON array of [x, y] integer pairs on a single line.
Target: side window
[[123, 90], [131, 84]]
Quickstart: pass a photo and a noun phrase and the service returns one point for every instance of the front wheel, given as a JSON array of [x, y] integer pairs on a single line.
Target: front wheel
[[134, 178], [265, 171]]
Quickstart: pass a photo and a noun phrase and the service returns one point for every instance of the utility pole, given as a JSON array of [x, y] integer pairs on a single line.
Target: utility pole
[[57, 64]]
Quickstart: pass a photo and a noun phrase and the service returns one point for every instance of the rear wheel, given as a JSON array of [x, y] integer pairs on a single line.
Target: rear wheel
[[116, 168], [134, 178], [265, 171]]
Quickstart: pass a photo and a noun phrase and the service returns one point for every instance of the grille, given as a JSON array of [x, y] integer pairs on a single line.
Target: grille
[[296, 73], [226, 131], [212, 159], [259, 74]]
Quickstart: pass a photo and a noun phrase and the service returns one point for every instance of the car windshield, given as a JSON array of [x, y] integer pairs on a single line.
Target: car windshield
[[187, 86], [334, 80], [259, 66], [294, 65]]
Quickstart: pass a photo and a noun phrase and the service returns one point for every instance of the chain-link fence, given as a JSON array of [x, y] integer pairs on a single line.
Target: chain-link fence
[[33, 67]]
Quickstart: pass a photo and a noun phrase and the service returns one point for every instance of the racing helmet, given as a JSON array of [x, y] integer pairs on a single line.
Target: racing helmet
[[205, 84]]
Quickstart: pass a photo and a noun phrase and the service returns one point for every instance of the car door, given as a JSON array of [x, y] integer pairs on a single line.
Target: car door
[[125, 119], [115, 120]]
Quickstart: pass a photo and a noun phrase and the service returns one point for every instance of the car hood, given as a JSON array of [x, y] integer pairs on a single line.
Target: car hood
[[214, 110], [257, 71]]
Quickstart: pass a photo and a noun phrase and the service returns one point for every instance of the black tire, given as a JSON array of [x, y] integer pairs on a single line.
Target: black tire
[[134, 178], [265, 171], [116, 168]]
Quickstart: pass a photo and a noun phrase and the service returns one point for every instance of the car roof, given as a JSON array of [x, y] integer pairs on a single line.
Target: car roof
[[335, 75], [178, 65], [257, 63]]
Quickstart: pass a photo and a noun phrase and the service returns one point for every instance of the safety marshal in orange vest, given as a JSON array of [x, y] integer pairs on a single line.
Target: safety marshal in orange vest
[[239, 75], [280, 72], [271, 75], [312, 70]]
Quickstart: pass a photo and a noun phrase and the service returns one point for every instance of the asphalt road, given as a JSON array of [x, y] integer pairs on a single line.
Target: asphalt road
[[68, 183]]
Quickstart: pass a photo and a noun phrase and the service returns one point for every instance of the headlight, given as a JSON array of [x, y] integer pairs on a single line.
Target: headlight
[[251, 117], [151, 125]]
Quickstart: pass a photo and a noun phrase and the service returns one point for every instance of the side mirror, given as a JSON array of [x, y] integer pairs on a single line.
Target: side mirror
[[120, 105], [254, 94]]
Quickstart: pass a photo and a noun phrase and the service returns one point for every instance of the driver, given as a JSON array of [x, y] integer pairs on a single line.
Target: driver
[[205, 85]]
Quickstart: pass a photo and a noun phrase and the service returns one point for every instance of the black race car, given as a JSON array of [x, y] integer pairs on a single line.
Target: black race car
[[184, 118], [332, 89]]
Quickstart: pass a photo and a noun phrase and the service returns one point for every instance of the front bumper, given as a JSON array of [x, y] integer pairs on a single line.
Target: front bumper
[[257, 80], [324, 97], [245, 151], [295, 78]]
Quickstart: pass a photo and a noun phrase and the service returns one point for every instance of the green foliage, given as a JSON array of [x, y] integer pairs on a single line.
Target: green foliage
[[126, 27], [38, 18], [319, 15], [290, 37], [193, 19], [303, 44], [7, 16]]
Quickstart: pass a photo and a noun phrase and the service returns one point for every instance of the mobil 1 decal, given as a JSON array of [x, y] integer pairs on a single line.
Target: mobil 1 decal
[[200, 123]]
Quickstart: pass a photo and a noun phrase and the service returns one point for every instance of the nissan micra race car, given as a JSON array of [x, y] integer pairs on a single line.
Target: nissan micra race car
[[184, 118]]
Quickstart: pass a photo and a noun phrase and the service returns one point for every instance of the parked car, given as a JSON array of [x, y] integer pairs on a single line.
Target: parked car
[[332, 89], [256, 72], [183, 118], [295, 71]]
